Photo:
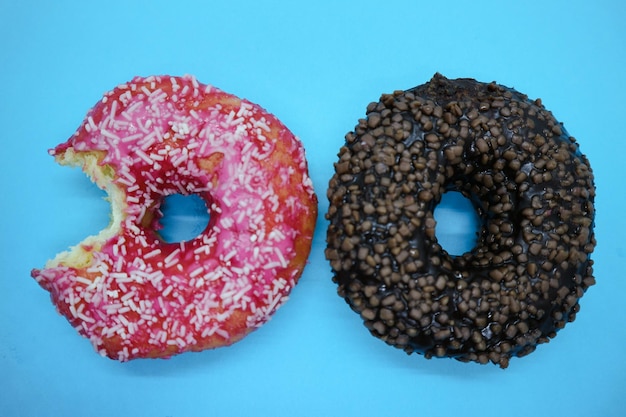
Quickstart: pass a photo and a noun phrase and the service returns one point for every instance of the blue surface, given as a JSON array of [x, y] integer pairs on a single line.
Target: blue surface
[[316, 65]]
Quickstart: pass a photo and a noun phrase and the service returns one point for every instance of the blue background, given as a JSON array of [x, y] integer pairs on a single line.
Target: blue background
[[316, 65]]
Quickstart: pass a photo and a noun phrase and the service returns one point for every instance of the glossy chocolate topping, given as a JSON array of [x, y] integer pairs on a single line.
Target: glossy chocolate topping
[[531, 187]]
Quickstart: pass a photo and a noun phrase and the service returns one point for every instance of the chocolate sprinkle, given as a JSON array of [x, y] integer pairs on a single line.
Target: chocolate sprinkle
[[531, 187]]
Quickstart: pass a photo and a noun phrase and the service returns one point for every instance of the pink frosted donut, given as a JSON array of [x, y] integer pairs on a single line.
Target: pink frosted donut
[[135, 295]]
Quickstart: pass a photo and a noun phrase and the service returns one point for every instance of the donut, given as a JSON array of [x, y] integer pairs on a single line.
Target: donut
[[134, 295], [533, 192]]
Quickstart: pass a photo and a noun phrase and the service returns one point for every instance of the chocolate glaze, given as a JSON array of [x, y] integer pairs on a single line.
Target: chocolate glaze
[[534, 193]]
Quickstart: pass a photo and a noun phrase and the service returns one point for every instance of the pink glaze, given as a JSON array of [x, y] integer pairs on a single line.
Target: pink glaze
[[142, 297]]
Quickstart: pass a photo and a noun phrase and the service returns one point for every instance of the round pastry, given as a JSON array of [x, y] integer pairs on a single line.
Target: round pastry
[[531, 187], [135, 295]]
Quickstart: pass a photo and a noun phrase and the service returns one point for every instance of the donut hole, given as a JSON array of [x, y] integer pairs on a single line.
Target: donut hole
[[184, 217], [458, 223]]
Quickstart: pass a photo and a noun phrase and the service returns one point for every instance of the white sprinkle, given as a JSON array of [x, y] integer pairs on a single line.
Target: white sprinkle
[[212, 276], [126, 97], [131, 179], [271, 306], [186, 313], [162, 305], [110, 331], [131, 109], [84, 280], [157, 95], [132, 305], [148, 140], [125, 181], [84, 317], [202, 249], [109, 135], [261, 123], [120, 277], [271, 265], [196, 272], [175, 85], [194, 114], [142, 241], [166, 292], [156, 157], [172, 257], [181, 128], [113, 110], [274, 200], [227, 222], [237, 122], [241, 216], [242, 292], [112, 308], [128, 296], [91, 123], [124, 320], [276, 235], [176, 161], [230, 255], [244, 109], [208, 331], [222, 333], [144, 156], [241, 129], [152, 254], [73, 310]]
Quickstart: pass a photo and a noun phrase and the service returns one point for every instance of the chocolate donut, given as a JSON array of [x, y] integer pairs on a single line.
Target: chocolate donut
[[531, 187]]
